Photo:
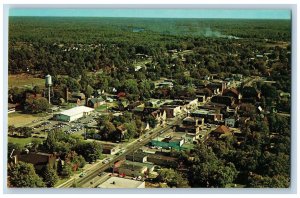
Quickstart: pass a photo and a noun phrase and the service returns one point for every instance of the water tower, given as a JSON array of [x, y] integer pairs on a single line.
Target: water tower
[[48, 83]]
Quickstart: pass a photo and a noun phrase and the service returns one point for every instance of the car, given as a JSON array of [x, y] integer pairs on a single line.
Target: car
[[101, 174]]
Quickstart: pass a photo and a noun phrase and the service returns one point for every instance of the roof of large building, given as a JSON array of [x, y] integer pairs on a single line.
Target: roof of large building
[[76, 110], [117, 182]]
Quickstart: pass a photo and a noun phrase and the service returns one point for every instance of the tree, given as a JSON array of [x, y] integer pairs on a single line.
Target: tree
[[91, 151], [259, 181], [66, 170], [172, 178], [35, 144], [151, 120], [49, 176], [13, 147], [131, 130], [23, 175], [209, 171], [39, 105]]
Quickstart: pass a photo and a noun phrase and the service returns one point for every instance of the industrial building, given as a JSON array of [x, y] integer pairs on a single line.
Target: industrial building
[[73, 114]]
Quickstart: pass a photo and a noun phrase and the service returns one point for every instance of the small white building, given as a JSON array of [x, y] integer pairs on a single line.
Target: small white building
[[118, 182], [73, 114]]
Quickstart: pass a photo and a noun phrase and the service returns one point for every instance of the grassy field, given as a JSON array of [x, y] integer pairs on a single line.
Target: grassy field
[[25, 80], [102, 107], [20, 119], [21, 141]]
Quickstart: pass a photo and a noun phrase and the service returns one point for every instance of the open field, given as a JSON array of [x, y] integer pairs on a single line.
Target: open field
[[21, 141], [23, 80], [19, 119]]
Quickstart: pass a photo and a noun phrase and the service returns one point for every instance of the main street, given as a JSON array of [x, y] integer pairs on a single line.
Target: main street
[[98, 168]]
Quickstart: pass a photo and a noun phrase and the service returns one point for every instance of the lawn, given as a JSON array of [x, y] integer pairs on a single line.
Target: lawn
[[101, 108], [20, 119], [25, 80], [21, 141]]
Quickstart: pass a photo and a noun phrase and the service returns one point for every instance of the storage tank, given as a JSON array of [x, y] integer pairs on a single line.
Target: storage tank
[[48, 80]]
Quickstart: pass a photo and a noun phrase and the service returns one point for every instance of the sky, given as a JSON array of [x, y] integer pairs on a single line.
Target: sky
[[155, 13]]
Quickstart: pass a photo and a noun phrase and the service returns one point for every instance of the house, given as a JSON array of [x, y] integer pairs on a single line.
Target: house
[[160, 116], [76, 97], [220, 131], [95, 102], [230, 122], [119, 182], [232, 92], [39, 160], [250, 94], [217, 86], [226, 100], [121, 130], [110, 149]]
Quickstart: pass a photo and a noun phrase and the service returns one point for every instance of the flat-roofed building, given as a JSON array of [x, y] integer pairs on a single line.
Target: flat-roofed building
[[118, 182], [133, 170], [73, 114]]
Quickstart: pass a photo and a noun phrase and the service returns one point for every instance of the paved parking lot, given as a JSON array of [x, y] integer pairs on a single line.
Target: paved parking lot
[[77, 126]]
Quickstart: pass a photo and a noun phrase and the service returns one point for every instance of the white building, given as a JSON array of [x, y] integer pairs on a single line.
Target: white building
[[73, 114], [117, 182]]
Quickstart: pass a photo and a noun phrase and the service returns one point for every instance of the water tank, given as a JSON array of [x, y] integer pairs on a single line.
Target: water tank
[[48, 80]]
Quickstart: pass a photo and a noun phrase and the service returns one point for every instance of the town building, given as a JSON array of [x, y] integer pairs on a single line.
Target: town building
[[132, 169], [119, 182], [210, 116], [39, 160], [73, 114], [137, 157], [168, 142]]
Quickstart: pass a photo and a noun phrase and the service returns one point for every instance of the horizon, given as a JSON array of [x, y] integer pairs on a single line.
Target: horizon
[[155, 13]]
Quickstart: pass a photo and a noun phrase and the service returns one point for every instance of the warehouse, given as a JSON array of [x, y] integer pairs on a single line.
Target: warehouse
[[73, 114]]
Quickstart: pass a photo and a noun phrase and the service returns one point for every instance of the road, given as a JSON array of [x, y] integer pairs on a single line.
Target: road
[[99, 167]]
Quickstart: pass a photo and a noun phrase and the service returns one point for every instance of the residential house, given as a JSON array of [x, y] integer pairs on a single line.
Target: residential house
[[232, 92], [220, 132], [95, 102], [110, 149], [226, 100], [121, 130]]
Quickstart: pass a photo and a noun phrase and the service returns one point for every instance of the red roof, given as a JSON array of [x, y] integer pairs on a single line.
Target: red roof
[[222, 129], [232, 90], [121, 94]]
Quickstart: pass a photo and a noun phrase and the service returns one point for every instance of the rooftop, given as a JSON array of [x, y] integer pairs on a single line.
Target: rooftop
[[76, 110], [118, 182]]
